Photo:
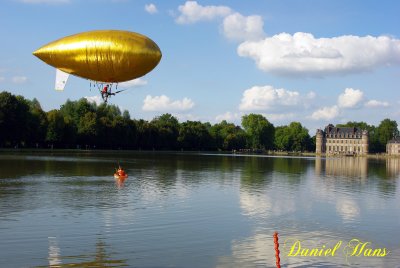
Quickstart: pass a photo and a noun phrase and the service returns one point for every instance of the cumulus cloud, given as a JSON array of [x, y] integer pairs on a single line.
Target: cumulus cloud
[[376, 104], [133, 83], [45, 1], [302, 53], [240, 28], [279, 117], [19, 79], [311, 95], [326, 113], [266, 97], [228, 116], [164, 103], [96, 99], [351, 98], [192, 12], [151, 8], [186, 117]]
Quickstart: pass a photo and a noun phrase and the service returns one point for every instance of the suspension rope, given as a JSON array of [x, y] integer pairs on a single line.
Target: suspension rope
[[276, 242]]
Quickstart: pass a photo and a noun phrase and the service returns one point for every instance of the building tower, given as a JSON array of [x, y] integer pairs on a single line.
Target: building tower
[[365, 142], [319, 142]]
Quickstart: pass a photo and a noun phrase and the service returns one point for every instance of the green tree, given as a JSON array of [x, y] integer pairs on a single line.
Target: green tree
[[194, 135], [14, 114], [167, 128], [55, 128], [88, 128], [146, 134], [282, 138], [259, 130], [294, 137], [37, 123], [227, 136], [386, 130]]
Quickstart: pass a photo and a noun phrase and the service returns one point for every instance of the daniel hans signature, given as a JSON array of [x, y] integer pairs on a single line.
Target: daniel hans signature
[[353, 248]]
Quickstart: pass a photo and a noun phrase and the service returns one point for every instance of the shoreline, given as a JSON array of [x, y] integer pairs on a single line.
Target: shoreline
[[247, 152]]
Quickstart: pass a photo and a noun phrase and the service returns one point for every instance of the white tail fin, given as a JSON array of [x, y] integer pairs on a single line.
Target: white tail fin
[[61, 79]]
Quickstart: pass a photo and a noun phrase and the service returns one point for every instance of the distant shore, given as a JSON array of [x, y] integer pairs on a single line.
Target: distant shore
[[241, 152]]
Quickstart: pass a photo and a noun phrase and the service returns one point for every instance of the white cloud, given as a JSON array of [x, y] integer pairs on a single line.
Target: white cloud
[[228, 116], [45, 1], [192, 12], [326, 113], [186, 117], [279, 117], [266, 97], [19, 79], [96, 99], [164, 103], [351, 98], [133, 83], [376, 104], [151, 8], [240, 28], [302, 53], [311, 95], [2, 79]]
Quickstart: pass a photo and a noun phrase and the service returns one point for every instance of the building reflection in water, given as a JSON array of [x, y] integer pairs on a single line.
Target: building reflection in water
[[98, 259], [342, 166], [357, 167], [393, 167], [54, 253]]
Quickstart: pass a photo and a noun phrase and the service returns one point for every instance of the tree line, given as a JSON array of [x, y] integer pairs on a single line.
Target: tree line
[[84, 124]]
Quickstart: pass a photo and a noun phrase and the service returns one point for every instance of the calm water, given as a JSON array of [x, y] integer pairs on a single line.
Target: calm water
[[195, 210]]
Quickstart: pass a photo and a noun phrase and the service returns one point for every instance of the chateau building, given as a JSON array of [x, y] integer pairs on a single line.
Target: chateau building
[[393, 146], [342, 140]]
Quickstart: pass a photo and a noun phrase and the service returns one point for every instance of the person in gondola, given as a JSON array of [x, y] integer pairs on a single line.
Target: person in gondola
[[121, 171], [106, 92]]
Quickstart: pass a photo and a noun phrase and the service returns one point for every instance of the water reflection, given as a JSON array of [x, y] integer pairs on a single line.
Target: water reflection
[[258, 251], [353, 167], [360, 172], [100, 258], [54, 253], [192, 210]]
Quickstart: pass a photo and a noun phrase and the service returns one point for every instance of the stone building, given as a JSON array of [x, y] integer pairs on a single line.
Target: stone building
[[393, 146], [342, 141]]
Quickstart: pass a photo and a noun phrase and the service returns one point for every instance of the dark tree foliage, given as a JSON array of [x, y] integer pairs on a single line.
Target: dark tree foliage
[[167, 131], [227, 136], [293, 137], [260, 132], [14, 119], [195, 135]]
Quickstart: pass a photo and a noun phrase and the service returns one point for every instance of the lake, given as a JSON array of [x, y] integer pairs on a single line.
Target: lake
[[65, 209]]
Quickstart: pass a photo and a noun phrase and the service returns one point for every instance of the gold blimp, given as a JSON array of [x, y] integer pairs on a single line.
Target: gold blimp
[[109, 56]]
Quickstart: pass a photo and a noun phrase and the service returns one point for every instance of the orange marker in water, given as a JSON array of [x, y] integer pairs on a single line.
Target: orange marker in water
[[278, 260]]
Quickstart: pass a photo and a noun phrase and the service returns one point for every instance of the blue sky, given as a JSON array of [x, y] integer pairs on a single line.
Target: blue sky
[[312, 61]]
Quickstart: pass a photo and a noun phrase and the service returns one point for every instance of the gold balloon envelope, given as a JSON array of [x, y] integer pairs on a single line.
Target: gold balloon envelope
[[105, 55]]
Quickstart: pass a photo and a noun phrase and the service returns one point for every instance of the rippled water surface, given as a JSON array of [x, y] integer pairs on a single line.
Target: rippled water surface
[[65, 209]]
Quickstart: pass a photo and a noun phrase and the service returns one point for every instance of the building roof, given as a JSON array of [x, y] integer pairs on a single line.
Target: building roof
[[330, 129], [395, 140]]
